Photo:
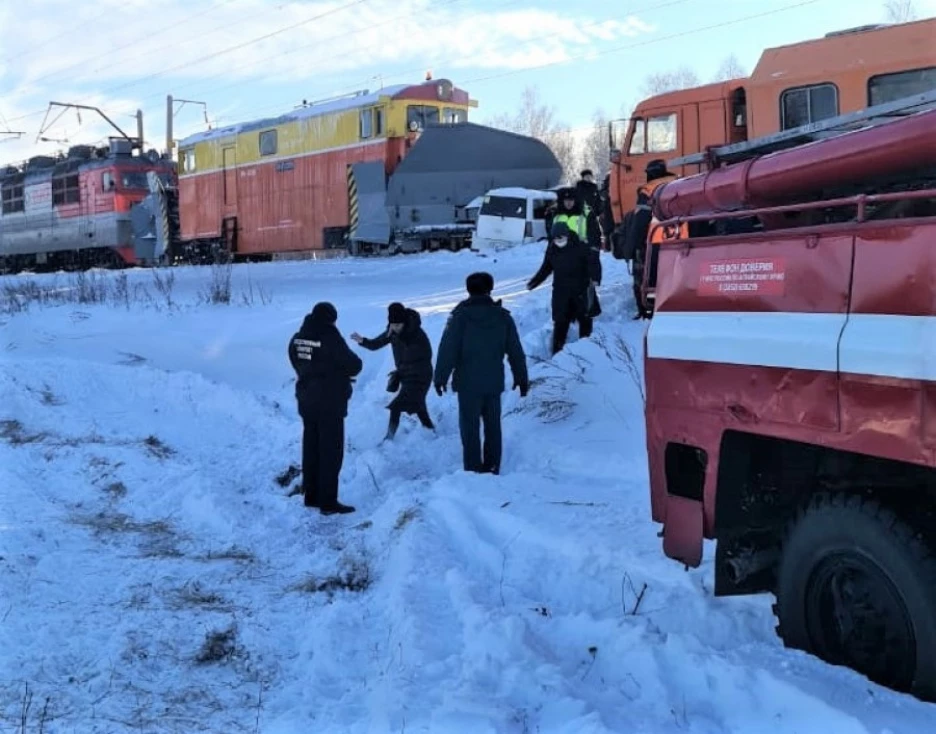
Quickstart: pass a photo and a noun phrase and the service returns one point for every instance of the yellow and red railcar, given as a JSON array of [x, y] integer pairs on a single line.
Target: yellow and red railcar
[[281, 185]]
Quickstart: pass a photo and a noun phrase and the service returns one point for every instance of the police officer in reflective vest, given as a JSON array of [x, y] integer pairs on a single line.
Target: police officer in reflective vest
[[574, 213]]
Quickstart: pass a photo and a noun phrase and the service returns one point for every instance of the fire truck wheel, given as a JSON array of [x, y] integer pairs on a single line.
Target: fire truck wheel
[[856, 586]]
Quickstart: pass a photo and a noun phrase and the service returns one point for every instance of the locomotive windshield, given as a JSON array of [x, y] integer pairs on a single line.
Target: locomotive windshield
[[133, 180], [421, 116]]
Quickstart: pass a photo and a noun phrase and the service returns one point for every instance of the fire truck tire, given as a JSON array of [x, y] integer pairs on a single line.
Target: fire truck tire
[[856, 586]]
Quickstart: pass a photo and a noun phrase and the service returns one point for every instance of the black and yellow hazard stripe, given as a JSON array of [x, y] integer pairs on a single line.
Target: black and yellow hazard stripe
[[353, 215]]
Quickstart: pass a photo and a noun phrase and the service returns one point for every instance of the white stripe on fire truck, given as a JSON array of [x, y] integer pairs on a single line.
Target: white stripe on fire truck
[[902, 347]]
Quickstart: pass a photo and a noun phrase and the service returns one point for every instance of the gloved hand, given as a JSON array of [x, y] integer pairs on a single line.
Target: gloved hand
[[524, 388], [439, 390]]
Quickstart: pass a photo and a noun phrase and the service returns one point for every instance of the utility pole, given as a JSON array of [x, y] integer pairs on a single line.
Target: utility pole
[[172, 111]]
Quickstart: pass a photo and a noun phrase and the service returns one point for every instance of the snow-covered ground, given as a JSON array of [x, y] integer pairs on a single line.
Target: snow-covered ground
[[154, 577]]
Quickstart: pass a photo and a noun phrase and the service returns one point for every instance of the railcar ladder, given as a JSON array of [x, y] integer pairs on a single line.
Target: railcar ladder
[[828, 128]]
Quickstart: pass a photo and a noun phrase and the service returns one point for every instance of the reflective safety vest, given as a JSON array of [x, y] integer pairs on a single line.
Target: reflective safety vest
[[660, 234], [576, 223], [668, 232]]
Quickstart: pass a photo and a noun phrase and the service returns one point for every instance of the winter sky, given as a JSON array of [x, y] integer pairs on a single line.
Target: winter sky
[[254, 58]]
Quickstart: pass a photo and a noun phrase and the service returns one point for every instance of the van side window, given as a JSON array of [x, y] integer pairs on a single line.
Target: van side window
[[805, 105], [885, 88], [539, 208]]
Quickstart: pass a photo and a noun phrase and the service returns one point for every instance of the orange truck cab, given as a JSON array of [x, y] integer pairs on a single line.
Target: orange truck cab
[[790, 87]]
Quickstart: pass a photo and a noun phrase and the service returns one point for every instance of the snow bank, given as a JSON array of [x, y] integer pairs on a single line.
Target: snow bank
[[155, 576]]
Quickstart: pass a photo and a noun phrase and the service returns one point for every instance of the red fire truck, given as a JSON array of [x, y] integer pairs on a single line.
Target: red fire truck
[[791, 382]]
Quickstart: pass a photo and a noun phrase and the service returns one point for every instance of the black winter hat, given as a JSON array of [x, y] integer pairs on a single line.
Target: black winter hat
[[325, 312], [560, 229], [656, 169], [396, 313], [479, 284]]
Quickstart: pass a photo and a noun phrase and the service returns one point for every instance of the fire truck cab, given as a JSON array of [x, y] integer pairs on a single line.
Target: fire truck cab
[[791, 383]]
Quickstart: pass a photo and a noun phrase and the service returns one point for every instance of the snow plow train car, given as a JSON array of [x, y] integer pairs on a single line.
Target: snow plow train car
[[382, 172]]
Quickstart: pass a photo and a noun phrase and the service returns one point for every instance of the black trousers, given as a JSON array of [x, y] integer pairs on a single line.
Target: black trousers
[[473, 411], [322, 457], [575, 310]]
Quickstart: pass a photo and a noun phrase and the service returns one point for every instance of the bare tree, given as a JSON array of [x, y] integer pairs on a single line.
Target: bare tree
[[730, 69], [596, 151], [900, 11], [538, 120], [670, 81]]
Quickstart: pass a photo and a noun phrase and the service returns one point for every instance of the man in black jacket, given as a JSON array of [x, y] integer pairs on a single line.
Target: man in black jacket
[[325, 367], [572, 266], [477, 337], [412, 357]]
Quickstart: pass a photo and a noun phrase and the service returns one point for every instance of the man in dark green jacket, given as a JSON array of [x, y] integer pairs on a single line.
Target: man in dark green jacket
[[477, 337]]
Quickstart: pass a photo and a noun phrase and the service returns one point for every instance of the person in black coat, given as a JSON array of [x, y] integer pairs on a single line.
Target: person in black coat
[[412, 357], [325, 369], [570, 263], [479, 334]]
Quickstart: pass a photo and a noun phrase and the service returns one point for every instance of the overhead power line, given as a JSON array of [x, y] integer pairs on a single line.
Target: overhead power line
[[135, 40], [529, 43], [591, 55], [214, 54], [595, 54]]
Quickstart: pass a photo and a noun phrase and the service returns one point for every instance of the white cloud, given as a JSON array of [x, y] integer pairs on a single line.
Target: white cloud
[[120, 55]]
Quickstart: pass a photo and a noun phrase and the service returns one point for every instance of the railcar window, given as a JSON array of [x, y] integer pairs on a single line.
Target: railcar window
[[378, 121], [418, 117], [65, 189], [188, 164], [268, 142], [13, 199], [638, 143], [366, 124], [107, 181], [503, 206], [661, 133], [805, 105], [371, 123], [889, 87], [452, 115]]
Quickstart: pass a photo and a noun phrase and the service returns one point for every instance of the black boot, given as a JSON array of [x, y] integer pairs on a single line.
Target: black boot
[[336, 508]]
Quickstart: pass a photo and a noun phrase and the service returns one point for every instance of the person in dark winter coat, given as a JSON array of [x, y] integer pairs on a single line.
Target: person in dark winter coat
[[325, 369], [412, 357], [568, 260], [581, 221], [479, 334], [590, 196]]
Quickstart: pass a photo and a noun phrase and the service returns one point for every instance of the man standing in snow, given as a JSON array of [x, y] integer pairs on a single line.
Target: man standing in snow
[[325, 367], [575, 213], [477, 337], [571, 265], [412, 357]]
